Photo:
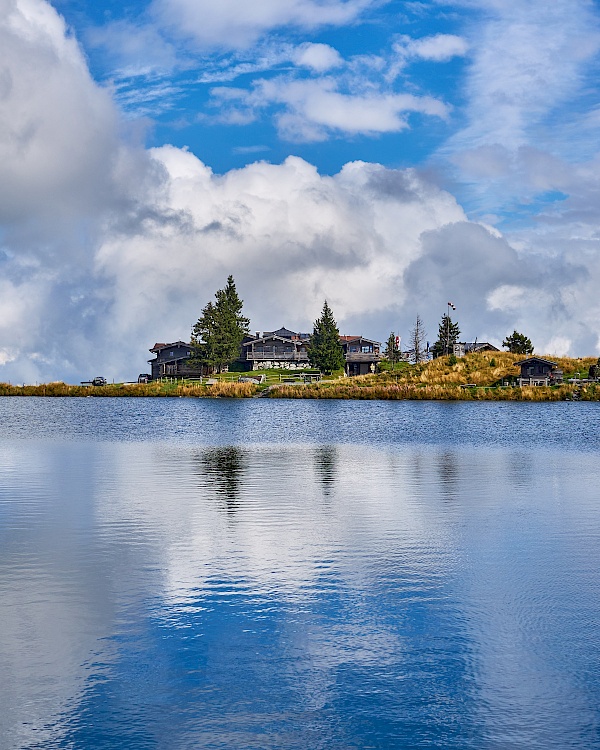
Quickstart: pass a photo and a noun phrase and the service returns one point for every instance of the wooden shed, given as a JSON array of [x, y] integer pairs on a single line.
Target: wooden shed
[[538, 371]]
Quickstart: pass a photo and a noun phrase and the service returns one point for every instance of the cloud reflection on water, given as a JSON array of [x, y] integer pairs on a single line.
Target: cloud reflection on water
[[342, 593]]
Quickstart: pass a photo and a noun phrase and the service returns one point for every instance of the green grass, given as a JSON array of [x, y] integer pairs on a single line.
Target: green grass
[[272, 375], [395, 369]]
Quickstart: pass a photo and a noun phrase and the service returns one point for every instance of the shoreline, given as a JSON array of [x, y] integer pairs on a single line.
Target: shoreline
[[340, 390], [487, 376]]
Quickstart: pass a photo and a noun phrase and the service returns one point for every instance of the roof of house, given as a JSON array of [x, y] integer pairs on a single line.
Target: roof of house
[[348, 339], [271, 337], [159, 347], [283, 332], [536, 359], [479, 345]]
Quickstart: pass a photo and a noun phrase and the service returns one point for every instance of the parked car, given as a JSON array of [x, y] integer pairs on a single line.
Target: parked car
[[99, 380], [143, 377]]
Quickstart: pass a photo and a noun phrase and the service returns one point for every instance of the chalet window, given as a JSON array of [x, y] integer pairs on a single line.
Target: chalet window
[[367, 349]]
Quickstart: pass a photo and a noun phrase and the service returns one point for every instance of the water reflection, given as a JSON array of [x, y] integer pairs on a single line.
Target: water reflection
[[448, 472], [326, 466], [520, 469], [135, 615], [222, 470]]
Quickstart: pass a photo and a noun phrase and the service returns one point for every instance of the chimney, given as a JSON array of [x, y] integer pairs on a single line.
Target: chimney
[[258, 334]]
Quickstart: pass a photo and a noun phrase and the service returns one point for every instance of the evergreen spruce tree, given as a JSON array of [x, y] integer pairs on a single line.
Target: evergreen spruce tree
[[203, 340], [392, 350], [218, 333], [518, 343], [448, 334], [324, 350]]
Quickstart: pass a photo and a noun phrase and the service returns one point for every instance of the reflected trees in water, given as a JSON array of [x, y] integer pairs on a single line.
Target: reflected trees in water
[[326, 461], [222, 469], [449, 475]]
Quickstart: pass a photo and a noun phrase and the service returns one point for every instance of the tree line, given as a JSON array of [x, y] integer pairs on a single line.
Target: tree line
[[221, 328], [448, 335]]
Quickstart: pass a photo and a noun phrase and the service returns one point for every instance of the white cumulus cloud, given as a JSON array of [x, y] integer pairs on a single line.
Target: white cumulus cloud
[[291, 237], [315, 108], [106, 248], [318, 57]]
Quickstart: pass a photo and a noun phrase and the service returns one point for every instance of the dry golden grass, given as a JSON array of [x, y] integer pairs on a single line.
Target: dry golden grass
[[154, 389], [229, 390], [441, 380], [60, 389], [393, 392], [571, 366], [480, 369]]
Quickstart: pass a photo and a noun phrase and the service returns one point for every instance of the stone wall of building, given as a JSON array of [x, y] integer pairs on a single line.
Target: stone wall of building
[[272, 364]]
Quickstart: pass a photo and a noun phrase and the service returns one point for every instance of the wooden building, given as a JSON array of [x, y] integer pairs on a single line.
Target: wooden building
[[362, 355], [172, 361], [288, 350], [282, 349], [538, 371]]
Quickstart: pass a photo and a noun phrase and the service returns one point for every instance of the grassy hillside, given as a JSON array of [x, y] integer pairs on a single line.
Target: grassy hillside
[[440, 379], [485, 369]]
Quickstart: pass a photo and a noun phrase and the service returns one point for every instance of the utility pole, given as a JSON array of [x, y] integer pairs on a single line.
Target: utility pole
[[447, 347]]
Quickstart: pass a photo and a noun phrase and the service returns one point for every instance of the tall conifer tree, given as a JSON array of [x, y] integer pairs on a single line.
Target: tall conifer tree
[[448, 334], [392, 349], [218, 333], [325, 351]]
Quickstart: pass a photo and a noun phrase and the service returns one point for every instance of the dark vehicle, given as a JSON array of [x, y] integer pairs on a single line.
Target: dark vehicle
[[99, 381]]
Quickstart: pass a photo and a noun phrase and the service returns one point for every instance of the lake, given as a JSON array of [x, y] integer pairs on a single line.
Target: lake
[[193, 573]]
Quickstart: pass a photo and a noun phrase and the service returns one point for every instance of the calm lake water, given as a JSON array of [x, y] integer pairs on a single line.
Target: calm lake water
[[272, 574]]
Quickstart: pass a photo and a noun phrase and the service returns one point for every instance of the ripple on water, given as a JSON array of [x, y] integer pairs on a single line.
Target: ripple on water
[[297, 592]]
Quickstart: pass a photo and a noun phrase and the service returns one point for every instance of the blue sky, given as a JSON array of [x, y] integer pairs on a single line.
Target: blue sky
[[181, 85], [318, 79], [389, 156]]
